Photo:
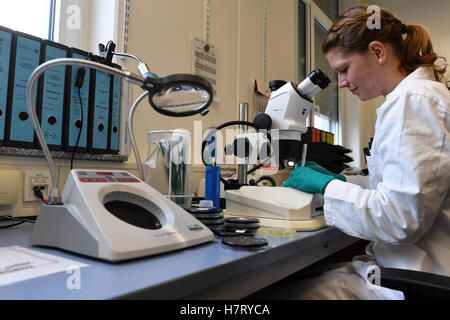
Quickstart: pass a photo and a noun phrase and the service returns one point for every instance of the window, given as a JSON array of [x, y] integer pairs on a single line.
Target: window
[[74, 23], [36, 19], [314, 22], [326, 113], [302, 40], [329, 7]]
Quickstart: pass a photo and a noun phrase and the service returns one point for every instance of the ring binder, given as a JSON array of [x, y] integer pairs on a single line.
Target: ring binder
[[73, 108], [6, 36], [19, 130], [50, 106]]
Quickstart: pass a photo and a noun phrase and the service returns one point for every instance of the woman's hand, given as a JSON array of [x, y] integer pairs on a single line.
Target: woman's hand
[[319, 168], [308, 180]]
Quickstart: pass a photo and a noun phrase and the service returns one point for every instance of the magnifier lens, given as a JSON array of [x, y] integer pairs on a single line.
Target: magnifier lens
[[180, 95], [181, 98]]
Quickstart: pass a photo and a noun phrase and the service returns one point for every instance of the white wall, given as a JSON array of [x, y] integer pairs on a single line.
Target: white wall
[[160, 33]]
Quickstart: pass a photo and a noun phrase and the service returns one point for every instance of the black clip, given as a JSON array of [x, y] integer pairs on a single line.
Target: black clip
[[106, 53]]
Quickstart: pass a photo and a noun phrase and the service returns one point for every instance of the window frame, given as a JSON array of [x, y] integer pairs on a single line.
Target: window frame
[[314, 13], [51, 22]]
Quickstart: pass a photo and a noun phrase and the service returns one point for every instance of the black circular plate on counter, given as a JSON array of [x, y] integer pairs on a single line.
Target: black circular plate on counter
[[244, 241]]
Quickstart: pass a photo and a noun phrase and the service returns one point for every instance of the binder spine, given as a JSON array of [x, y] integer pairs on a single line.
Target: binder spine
[[19, 129], [6, 41], [99, 111], [114, 128], [75, 119], [52, 96]]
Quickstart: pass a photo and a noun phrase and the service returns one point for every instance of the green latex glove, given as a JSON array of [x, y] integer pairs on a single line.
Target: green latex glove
[[308, 180], [319, 168]]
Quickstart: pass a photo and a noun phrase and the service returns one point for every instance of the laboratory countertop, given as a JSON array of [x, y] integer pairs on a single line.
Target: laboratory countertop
[[209, 271]]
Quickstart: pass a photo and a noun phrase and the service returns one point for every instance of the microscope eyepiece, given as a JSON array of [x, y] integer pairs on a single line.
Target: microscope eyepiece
[[316, 81], [319, 78]]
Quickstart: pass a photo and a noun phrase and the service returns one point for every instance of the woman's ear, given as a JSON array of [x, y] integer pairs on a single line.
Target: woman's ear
[[378, 50]]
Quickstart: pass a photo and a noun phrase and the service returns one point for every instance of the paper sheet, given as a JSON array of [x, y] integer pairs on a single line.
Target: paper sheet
[[204, 63], [19, 263]]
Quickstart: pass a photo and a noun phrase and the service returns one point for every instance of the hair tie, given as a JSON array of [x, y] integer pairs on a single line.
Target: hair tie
[[403, 28]]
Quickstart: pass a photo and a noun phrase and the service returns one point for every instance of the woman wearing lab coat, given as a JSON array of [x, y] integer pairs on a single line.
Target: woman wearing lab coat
[[403, 206]]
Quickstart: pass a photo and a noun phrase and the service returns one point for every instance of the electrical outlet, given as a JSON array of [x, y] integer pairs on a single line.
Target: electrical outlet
[[36, 178]]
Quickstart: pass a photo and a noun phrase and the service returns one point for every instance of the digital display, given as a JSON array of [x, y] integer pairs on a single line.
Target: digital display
[[93, 180], [127, 180], [106, 176]]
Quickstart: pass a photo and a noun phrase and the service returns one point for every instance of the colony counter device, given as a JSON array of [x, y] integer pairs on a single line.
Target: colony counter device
[[112, 215]]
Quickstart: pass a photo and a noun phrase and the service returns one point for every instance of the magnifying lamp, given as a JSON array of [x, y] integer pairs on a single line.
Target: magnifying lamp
[[177, 95]]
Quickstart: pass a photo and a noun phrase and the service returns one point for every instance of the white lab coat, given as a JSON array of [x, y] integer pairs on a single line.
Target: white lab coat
[[404, 209], [404, 205]]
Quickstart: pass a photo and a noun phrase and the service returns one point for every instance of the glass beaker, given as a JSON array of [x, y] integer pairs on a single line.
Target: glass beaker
[[167, 167]]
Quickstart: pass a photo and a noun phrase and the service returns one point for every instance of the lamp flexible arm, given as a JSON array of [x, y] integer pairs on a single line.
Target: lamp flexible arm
[[55, 195], [131, 134], [123, 54]]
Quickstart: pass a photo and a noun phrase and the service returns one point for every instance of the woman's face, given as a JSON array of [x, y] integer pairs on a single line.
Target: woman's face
[[358, 72]]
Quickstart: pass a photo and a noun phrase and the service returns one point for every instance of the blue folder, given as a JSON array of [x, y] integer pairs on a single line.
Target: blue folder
[[116, 86], [99, 111], [19, 129], [52, 95], [74, 120], [5, 62]]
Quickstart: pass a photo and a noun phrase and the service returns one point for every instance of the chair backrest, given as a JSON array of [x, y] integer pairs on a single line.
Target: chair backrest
[[416, 284]]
